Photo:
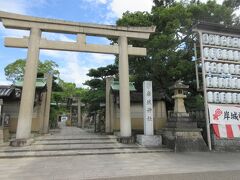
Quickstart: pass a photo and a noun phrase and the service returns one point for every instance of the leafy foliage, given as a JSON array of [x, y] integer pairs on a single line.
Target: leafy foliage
[[96, 94], [16, 69], [170, 47], [235, 4]]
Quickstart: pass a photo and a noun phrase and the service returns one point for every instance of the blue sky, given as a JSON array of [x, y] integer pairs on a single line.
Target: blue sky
[[72, 66]]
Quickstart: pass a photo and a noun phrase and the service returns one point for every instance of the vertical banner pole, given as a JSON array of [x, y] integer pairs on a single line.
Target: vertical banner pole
[[205, 94], [196, 65]]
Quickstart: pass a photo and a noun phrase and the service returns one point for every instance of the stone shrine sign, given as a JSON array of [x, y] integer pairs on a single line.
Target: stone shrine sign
[[148, 139], [148, 107]]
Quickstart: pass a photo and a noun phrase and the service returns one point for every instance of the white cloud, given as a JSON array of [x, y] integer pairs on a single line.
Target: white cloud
[[12, 32], [5, 82], [77, 65], [52, 53], [102, 1], [118, 7], [20, 6], [203, 1], [237, 12], [57, 36], [218, 1], [97, 1], [73, 71], [15, 6], [102, 58]]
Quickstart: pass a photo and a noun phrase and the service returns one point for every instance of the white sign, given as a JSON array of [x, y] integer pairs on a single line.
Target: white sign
[[224, 114], [148, 108]]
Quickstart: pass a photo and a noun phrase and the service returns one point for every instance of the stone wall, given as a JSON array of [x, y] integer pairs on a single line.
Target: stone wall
[[11, 108], [159, 116], [224, 144]]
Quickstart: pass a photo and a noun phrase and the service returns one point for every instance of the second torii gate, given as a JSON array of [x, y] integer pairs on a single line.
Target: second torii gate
[[34, 43]]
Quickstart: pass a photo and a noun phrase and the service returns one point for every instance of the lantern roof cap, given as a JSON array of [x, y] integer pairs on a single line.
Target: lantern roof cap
[[179, 85]]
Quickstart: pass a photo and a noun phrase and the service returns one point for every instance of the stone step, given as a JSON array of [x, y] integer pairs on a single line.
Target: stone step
[[80, 152], [67, 147], [74, 142], [75, 139]]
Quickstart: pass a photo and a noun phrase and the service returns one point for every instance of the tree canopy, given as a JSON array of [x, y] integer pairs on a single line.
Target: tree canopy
[[16, 69], [96, 93], [170, 47]]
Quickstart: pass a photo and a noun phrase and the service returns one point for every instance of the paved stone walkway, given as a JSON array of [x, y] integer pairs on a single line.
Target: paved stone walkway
[[161, 165]]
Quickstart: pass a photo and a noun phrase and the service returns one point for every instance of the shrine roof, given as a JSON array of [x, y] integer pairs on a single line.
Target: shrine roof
[[210, 26], [6, 91], [115, 86], [40, 83]]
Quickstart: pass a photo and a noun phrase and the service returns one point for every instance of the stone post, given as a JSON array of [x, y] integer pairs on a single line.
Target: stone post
[[108, 124], [112, 112], [43, 107], [79, 113], [125, 119], [83, 120], [1, 103], [48, 104], [42, 111], [28, 91], [2, 123]]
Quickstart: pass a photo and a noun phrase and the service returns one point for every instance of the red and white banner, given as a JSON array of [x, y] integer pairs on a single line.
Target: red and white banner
[[224, 114], [226, 131], [225, 120]]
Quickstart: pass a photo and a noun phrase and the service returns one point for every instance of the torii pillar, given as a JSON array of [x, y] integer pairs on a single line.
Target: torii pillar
[[28, 92], [125, 118]]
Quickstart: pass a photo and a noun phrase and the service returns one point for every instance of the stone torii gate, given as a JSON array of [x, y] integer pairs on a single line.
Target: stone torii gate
[[34, 43]]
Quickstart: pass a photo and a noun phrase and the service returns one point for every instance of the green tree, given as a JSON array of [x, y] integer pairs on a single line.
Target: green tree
[[61, 97], [99, 75], [170, 47], [96, 94], [66, 91], [235, 4], [16, 69], [69, 89]]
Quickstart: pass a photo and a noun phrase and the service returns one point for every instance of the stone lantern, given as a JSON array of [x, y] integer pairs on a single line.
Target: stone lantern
[[179, 96], [182, 133]]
